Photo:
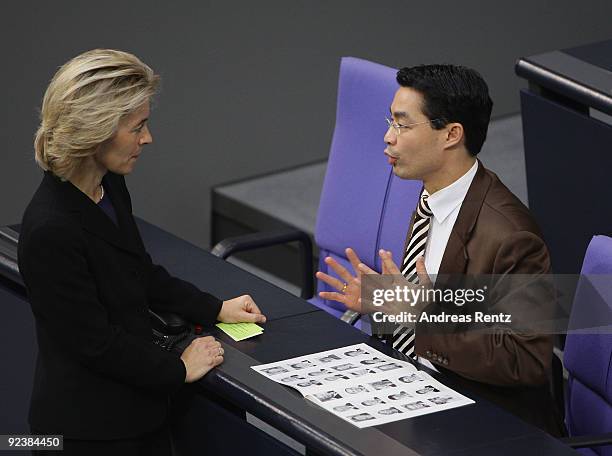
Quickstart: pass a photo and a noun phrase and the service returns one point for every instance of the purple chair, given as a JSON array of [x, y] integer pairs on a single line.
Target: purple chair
[[588, 356], [363, 205]]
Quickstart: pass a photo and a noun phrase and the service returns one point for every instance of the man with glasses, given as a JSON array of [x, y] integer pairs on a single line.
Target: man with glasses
[[466, 222]]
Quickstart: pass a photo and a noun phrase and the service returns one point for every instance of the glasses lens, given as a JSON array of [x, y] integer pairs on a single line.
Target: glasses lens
[[392, 124]]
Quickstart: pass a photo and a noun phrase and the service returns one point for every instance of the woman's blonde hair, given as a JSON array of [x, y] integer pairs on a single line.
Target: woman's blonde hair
[[84, 103]]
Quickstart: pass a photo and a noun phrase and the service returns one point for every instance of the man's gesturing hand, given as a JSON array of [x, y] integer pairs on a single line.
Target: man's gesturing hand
[[348, 295], [389, 267], [390, 279]]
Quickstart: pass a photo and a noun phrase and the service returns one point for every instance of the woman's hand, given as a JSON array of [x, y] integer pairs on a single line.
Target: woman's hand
[[201, 356], [240, 310]]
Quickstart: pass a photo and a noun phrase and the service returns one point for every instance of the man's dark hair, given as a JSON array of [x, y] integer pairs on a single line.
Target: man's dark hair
[[454, 94]]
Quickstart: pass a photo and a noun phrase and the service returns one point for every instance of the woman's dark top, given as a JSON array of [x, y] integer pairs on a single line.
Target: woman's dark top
[[107, 206]]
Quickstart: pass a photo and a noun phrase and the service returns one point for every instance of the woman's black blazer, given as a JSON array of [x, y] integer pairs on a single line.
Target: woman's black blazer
[[90, 283]]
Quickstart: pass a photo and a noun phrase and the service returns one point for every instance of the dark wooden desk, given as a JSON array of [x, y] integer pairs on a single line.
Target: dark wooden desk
[[219, 402], [295, 328]]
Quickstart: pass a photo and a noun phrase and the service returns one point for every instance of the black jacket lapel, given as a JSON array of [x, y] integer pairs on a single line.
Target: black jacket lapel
[[117, 192], [93, 219]]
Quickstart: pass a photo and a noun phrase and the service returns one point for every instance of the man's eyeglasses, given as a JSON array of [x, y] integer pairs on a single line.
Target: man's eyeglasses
[[398, 127]]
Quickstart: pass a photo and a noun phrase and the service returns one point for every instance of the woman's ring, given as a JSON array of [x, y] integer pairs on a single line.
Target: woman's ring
[[344, 287], [221, 351]]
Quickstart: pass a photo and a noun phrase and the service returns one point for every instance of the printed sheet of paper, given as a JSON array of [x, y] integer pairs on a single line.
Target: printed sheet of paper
[[363, 386]]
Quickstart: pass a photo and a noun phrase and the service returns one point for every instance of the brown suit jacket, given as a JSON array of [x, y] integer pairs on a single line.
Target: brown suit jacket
[[494, 234]]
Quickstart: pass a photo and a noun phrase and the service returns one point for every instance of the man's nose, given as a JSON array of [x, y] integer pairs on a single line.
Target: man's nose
[[390, 136]]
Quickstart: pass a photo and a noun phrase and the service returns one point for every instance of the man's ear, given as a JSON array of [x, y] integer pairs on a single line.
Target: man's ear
[[454, 135]]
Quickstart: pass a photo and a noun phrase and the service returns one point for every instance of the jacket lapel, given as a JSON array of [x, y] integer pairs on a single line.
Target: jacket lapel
[[93, 219], [127, 227], [455, 258]]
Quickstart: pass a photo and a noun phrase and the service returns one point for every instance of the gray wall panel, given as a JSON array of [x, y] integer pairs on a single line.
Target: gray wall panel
[[249, 87]]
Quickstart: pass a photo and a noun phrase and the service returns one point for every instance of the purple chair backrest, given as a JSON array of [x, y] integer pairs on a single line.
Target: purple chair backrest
[[588, 357], [362, 205]]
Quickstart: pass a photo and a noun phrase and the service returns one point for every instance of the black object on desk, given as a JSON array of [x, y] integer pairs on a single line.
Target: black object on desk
[[567, 132]]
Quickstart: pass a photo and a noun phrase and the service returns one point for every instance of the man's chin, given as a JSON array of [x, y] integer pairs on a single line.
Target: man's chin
[[402, 173]]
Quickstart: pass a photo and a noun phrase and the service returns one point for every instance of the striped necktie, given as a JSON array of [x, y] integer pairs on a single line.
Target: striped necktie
[[403, 338]]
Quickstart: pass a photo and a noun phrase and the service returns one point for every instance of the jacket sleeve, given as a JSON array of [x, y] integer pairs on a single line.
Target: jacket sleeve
[[502, 355], [167, 293], [171, 294], [64, 300]]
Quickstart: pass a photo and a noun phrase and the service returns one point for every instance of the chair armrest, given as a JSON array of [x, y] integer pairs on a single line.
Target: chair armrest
[[232, 245], [582, 441], [556, 384]]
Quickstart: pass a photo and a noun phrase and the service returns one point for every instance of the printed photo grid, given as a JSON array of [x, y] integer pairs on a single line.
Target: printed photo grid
[[363, 386]]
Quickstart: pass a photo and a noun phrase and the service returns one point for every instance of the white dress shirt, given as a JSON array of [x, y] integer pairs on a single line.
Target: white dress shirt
[[445, 205]]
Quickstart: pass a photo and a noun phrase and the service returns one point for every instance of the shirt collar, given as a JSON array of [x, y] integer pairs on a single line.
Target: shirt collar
[[446, 200]]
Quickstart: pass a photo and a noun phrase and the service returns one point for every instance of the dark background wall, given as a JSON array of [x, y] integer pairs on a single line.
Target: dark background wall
[[249, 87]]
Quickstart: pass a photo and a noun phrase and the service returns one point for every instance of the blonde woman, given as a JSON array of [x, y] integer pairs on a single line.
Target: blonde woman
[[99, 380]]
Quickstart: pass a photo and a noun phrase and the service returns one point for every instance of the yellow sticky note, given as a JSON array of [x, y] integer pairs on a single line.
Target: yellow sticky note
[[240, 331]]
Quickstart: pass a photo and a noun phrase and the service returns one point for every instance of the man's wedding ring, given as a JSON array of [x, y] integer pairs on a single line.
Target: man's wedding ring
[[344, 287]]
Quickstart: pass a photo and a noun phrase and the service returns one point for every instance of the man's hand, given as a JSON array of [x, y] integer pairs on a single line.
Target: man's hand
[[240, 310], [389, 267], [349, 288], [392, 277]]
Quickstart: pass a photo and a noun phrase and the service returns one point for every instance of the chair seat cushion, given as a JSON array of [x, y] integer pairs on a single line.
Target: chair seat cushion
[[588, 357], [588, 413]]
